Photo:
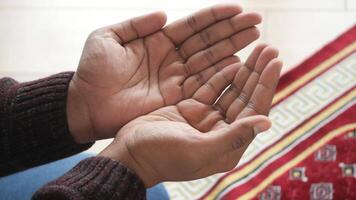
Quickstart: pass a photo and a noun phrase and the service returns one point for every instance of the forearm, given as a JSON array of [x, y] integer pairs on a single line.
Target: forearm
[[95, 178], [33, 123]]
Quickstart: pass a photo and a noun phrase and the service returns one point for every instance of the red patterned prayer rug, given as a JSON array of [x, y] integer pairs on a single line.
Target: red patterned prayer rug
[[315, 113]]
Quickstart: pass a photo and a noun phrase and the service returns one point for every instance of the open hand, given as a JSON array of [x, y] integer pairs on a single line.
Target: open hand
[[137, 66], [204, 134]]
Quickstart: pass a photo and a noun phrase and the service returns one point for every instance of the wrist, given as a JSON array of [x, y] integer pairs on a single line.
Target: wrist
[[121, 154], [78, 116]]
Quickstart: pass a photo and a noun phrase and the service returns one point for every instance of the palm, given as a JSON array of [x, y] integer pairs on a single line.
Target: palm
[[188, 131], [135, 67]]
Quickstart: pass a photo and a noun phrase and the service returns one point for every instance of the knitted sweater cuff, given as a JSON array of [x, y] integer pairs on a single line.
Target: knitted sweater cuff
[[95, 178], [34, 123]]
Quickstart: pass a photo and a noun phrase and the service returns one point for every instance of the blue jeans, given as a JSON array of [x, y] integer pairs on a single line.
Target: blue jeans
[[23, 185]]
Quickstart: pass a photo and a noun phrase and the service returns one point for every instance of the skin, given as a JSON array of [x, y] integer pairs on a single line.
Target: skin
[[137, 66], [203, 134]]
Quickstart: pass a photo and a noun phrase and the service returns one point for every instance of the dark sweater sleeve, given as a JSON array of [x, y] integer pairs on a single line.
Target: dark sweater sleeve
[[94, 178], [33, 123], [34, 131]]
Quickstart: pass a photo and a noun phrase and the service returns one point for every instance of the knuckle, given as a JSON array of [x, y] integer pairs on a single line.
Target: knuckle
[[133, 28], [231, 24], [243, 98], [253, 106], [192, 22], [205, 36], [216, 68], [212, 11], [183, 53], [265, 87], [211, 87], [199, 78], [238, 143], [125, 28], [219, 112], [258, 73], [249, 133], [224, 76], [234, 89], [209, 55], [187, 68], [255, 73], [233, 44], [250, 69]]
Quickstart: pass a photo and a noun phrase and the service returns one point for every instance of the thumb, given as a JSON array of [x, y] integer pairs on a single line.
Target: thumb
[[139, 26], [237, 135]]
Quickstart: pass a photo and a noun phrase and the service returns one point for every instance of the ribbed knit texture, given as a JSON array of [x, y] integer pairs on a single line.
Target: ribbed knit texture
[[95, 178], [34, 131], [33, 123]]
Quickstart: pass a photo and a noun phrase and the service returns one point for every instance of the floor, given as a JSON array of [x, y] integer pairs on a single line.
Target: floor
[[40, 37]]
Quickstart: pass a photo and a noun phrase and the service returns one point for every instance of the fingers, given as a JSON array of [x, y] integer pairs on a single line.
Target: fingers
[[217, 32], [261, 99], [194, 82], [240, 79], [244, 96], [138, 27], [220, 50], [211, 90], [234, 136], [180, 30]]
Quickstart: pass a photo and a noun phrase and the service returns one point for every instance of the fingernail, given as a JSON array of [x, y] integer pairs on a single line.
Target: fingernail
[[261, 127]]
